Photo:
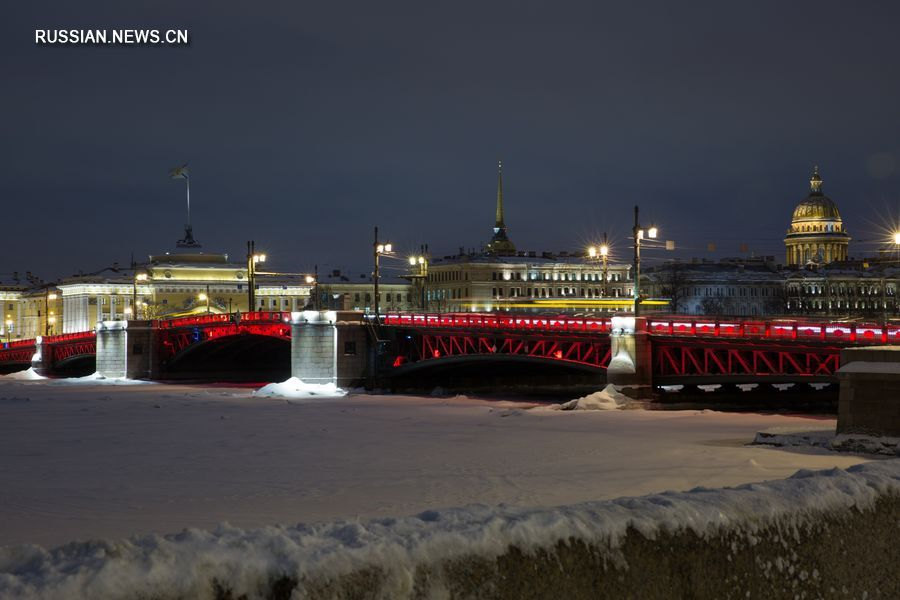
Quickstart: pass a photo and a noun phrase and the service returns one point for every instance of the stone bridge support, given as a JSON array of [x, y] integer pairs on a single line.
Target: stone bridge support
[[329, 347], [41, 361], [630, 362], [869, 401], [126, 349]]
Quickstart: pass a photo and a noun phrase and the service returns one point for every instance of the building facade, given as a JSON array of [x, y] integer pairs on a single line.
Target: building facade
[[729, 287]]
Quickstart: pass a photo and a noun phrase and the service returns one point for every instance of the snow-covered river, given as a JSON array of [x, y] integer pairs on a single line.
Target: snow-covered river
[[94, 460]]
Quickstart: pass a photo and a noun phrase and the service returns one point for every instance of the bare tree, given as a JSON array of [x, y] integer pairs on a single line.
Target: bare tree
[[673, 284]]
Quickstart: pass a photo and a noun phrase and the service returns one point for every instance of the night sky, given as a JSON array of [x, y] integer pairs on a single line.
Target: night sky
[[305, 124]]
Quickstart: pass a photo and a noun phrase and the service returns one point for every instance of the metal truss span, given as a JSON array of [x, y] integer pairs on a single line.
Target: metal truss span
[[592, 352], [730, 360]]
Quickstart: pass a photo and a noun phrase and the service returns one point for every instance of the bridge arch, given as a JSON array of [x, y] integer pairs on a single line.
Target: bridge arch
[[242, 356]]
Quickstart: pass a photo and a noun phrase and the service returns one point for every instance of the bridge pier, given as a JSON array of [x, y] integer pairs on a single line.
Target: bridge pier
[[326, 347], [630, 362], [869, 401], [41, 361], [125, 349]]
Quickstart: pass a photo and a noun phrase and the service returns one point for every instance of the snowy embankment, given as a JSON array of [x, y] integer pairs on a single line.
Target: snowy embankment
[[811, 535]]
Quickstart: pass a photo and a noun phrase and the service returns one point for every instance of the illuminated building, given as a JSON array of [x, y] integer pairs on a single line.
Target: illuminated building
[[817, 234], [501, 277]]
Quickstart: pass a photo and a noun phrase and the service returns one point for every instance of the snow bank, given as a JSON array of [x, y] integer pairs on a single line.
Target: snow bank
[[609, 398], [824, 437], [297, 388], [28, 374], [96, 378], [249, 561]]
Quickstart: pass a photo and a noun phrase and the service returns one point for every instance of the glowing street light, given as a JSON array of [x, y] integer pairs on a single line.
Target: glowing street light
[[313, 280], [253, 259], [134, 283], [897, 238], [9, 325], [638, 233], [422, 264], [379, 249], [47, 312], [603, 251], [204, 298]]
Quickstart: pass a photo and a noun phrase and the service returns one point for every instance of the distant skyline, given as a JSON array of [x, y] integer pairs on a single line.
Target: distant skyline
[[307, 124]]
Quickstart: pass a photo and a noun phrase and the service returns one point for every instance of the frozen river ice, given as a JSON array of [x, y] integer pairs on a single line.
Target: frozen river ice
[[93, 460]]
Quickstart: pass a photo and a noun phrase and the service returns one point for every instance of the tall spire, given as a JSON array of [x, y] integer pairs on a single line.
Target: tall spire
[[500, 244], [499, 223], [815, 182]]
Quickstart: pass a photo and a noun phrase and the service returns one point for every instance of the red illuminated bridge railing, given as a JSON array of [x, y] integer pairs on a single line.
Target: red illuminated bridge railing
[[676, 326], [218, 319], [498, 321]]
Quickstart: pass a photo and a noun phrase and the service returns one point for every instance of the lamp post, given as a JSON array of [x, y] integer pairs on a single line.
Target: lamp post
[[638, 234], [9, 325], [204, 298], [50, 296], [313, 280], [252, 260], [378, 250], [134, 294], [603, 252], [422, 275]]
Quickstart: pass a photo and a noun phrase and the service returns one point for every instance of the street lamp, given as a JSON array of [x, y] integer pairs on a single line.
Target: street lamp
[[9, 325], [253, 259], [422, 264], [638, 234], [603, 251], [50, 296], [313, 280], [134, 301], [204, 298], [378, 250]]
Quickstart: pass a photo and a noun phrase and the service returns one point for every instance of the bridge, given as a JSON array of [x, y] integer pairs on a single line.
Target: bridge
[[655, 350], [676, 349]]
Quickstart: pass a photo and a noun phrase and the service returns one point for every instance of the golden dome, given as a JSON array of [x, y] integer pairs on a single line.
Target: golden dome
[[817, 206]]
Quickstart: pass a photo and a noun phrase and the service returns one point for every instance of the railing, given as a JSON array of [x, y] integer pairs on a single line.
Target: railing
[[677, 326], [18, 344], [492, 321], [248, 317], [778, 329], [68, 337]]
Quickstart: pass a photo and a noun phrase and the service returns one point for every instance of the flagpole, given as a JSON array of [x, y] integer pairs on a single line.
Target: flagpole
[[188, 180]]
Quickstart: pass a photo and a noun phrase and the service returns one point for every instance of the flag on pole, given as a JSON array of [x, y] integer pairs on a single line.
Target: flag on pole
[[179, 172]]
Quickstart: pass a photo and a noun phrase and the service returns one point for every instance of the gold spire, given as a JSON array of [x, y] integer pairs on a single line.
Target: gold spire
[[500, 244], [499, 224], [815, 182]]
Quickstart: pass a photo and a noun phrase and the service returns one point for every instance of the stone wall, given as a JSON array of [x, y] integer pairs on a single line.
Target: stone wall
[[869, 401], [826, 534]]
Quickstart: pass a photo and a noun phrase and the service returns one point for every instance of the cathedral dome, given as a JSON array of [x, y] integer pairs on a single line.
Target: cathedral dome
[[816, 234], [817, 205]]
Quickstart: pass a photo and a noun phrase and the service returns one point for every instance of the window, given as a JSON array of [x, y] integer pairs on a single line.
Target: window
[[349, 348]]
